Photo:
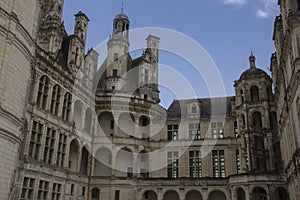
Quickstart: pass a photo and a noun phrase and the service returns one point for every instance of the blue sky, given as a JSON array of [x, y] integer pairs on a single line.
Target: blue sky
[[227, 29]]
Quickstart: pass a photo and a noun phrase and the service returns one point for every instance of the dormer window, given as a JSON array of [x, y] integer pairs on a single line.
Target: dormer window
[[194, 109], [115, 72]]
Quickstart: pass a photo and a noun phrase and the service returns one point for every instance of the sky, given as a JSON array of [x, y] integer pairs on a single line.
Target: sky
[[228, 31]]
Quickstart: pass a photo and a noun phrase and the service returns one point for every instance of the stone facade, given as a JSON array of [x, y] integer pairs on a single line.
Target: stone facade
[[70, 131]]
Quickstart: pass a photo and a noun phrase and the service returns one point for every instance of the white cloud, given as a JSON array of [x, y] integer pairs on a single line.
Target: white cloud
[[262, 14], [235, 2], [268, 9]]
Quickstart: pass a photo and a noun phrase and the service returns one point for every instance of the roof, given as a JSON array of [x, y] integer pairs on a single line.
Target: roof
[[254, 73], [209, 107]]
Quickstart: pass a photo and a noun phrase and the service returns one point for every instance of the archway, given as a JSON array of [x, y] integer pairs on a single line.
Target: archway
[[281, 194], [124, 163], [259, 193], [84, 161], [88, 121], [193, 195], [102, 163], [149, 195], [106, 122], [217, 195], [78, 106], [171, 195], [73, 155], [241, 194]]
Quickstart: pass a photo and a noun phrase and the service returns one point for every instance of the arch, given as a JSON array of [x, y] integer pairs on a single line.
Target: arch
[[67, 106], [254, 91], [217, 194], [78, 108], [281, 194], [84, 161], [171, 195], [88, 120], [240, 193], [73, 155], [124, 163], [256, 121], [149, 195], [143, 164], [259, 193], [102, 163], [106, 122], [144, 129], [126, 125], [55, 99], [193, 195], [43, 90], [95, 194]]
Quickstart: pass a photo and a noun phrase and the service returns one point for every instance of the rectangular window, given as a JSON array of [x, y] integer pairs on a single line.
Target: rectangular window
[[56, 191], [43, 190], [35, 140], [117, 195], [61, 150], [129, 172], [236, 130], [217, 130], [194, 109], [49, 145], [83, 191], [237, 161], [173, 132], [72, 190], [27, 188], [146, 76], [67, 107], [115, 73], [55, 100], [194, 131], [195, 164], [112, 124], [173, 164], [116, 56], [218, 160]]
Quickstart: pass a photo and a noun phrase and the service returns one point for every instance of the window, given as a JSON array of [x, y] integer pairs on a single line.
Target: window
[[194, 131], [67, 107], [116, 56], [43, 90], [129, 172], [242, 96], [195, 164], [218, 160], [257, 122], [55, 100], [194, 109], [43, 190], [173, 132], [49, 145], [146, 76], [254, 94], [117, 195], [72, 190], [115, 73], [145, 97], [28, 188], [61, 150], [35, 140], [83, 191], [237, 161], [173, 164], [56, 191], [217, 130], [112, 124], [235, 128]]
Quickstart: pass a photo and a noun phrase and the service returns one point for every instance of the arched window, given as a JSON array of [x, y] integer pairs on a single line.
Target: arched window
[[273, 120], [88, 121], [95, 194], [242, 96], [67, 107], [55, 100], [257, 123], [254, 94], [43, 91], [84, 161], [73, 155], [241, 194], [77, 114], [259, 193]]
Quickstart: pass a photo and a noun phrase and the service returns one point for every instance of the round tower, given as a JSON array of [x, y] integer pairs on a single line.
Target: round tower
[[257, 119]]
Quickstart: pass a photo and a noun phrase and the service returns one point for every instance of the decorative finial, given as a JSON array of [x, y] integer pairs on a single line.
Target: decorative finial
[[122, 10], [252, 60]]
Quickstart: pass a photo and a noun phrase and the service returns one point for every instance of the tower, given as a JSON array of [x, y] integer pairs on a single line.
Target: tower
[[18, 27], [257, 121], [118, 47]]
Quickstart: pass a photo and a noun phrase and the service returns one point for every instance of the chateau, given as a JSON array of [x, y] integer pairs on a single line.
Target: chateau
[[72, 130]]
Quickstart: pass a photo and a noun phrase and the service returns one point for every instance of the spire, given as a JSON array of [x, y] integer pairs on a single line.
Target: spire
[[252, 61], [122, 9]]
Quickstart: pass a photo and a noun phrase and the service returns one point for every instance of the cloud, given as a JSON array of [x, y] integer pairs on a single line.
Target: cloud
[[268, 8], [235, 2]]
